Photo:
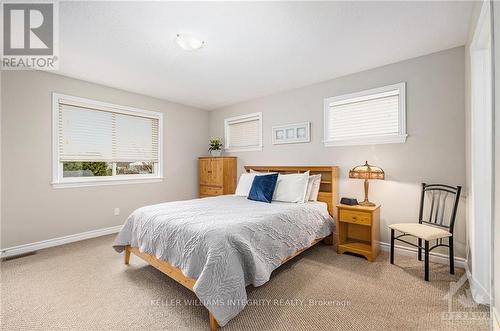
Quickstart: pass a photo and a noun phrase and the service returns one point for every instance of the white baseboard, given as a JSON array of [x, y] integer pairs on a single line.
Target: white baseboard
[[412, 251], [28, 248]]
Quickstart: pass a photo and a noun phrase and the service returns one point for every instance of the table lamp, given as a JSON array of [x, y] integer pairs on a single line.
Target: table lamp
[[366, 172]]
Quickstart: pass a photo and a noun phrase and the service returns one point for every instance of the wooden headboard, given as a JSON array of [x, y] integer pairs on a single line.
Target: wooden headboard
[[329, 188]]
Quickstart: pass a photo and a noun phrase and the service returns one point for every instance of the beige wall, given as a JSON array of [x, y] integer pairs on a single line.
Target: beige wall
[[32, 209], [434, 151]]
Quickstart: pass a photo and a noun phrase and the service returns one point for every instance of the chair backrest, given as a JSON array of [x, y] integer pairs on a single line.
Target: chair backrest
[[438, 212]]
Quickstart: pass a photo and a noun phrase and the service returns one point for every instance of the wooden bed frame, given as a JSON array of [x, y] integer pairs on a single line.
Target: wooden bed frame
[[328, 193]]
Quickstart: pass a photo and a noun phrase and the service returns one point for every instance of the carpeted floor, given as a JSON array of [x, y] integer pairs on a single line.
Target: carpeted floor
[[86, 286]]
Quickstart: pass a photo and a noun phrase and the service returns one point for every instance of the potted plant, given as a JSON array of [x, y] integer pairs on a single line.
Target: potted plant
[[215, 148]]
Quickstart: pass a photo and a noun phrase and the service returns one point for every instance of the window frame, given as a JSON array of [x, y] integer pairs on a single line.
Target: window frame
[[400, 137], [240, 119], [58, 181]]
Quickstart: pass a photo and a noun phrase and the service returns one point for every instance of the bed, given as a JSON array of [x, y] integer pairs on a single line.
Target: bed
[[219, 245]]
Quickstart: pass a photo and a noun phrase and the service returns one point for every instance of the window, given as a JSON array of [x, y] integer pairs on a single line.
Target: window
[[376, 116], [97, 143], [243, 133]]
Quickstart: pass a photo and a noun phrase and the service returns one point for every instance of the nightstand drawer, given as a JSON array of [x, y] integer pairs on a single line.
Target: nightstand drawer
[[210, 190], [355, 217]]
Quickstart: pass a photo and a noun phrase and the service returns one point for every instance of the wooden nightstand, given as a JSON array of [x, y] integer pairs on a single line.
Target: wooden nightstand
[[358, 230]]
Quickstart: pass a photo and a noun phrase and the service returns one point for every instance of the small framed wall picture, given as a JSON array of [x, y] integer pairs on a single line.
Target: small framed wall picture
[[292, 133]]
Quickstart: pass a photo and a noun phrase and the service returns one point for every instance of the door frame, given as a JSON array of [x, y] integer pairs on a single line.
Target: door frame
[[481, 152]]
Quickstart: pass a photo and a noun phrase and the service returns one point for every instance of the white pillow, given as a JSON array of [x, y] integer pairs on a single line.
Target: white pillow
[[313, 188], [291, 188], [245, 184], [309, 187]]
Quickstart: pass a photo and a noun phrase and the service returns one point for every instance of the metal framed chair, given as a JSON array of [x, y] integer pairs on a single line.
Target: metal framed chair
[[438, 225]]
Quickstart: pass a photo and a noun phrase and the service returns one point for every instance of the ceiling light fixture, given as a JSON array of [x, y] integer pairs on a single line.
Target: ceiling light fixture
[[188, 42]]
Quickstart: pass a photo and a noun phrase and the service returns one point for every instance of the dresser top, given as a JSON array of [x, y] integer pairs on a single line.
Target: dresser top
[[217, 157], [358, 207]]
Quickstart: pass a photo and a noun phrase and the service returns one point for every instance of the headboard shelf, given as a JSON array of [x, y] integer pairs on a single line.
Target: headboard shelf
[[329, 187]]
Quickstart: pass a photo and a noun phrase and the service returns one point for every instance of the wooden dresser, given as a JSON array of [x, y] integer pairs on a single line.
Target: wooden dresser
[[217, 175], [358, 230]]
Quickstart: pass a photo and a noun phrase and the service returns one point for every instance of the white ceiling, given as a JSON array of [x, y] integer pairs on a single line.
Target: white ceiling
[[253, 48]]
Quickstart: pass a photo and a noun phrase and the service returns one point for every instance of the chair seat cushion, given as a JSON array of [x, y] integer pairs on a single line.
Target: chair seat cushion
[[422, 231]]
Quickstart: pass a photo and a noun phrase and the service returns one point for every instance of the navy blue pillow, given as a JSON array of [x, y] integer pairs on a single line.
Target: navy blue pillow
[[263, 188]]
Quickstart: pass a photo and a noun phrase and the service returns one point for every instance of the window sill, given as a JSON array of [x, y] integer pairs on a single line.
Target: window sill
[[104, 182], [375, 140], [249, 149]]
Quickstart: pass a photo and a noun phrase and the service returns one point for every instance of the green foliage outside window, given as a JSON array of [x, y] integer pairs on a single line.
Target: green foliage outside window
[[97, 168]]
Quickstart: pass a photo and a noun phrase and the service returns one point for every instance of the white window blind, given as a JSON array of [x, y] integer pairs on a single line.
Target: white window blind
[[367, 117], [244, 133], [84, 134], [136, 139], [90, 134]]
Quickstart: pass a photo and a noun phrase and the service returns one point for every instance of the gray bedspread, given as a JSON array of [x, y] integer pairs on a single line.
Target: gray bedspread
[[225, 242]]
